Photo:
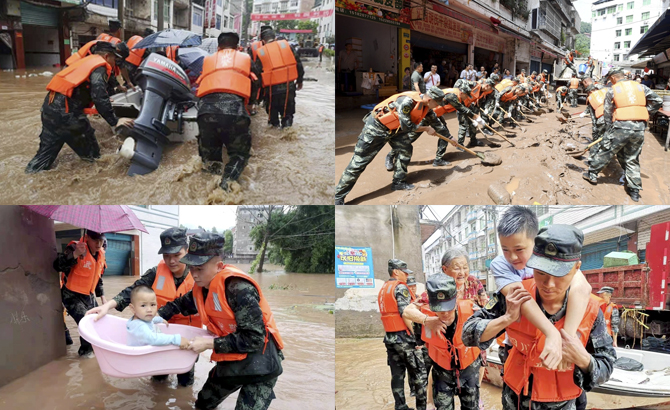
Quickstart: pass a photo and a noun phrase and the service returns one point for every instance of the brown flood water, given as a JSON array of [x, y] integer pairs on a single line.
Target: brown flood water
[[293, 166], [363, 382], [305, 323]]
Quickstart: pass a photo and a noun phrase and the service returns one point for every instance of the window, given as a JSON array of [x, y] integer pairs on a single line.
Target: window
[[619, 20], [645, 15], [618, 33], [601, 12], [593, 13], [631, 4], [219, 3], [629, 19], [107, 3], [617, 46], [611, 10], [166, 12], [218, 22], [625, 58], [197, 17], [629, 31], [294, 3], [619, 7], [646, 2], [616, 57], [226, 3], [644, 29], [626, 44]]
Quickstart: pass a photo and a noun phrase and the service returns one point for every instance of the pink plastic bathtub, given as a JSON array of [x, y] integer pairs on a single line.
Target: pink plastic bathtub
[[108, 337]]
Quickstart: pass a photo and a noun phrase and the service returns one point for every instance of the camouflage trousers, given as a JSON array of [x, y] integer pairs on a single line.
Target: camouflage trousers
[[559, 101], [572, 94], [280, 106], [508, 106], [626, 145], [450, 383], [402, 357], [77, 305], [597, 132], [222, 130], [59, 128], [510, 401], [570, 66], [441, 144], [184, 379], [253, 396], [466, 128], [371, 140], [420, 377]]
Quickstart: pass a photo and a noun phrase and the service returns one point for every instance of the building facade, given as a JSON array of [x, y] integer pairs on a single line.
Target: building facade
[[325, 32], [617, 25], [247, 217]]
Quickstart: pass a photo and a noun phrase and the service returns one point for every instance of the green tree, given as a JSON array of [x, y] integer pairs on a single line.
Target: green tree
[[228, 246], [214, 229], [583, 40], [308, 25]]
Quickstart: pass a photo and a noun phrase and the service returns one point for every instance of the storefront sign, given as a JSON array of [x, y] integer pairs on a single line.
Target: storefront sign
[[441, 26], [366, 11], [353, 267], [535, 51], [292, 16], [390, 5], [210, 14], [489, 41]]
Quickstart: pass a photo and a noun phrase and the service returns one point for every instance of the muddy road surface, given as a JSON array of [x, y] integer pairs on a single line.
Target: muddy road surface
[[301, 304], [292, 166], [537, 170]]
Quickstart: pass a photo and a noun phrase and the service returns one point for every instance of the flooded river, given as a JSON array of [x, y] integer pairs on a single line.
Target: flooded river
[[363, 382], [300, 306], [292, 166]]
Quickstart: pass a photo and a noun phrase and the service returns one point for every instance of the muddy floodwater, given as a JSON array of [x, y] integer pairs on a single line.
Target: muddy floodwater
[[301, 304], [536, 170], [363, 382], [292, 166]]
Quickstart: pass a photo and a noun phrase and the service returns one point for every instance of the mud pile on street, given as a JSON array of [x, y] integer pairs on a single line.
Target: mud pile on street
[[537, 170], [290, 166]]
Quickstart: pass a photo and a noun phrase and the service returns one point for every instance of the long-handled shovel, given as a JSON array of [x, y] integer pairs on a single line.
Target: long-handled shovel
[[512, 118], [499, 134], [487, 158], [501, 126], [577, 154]]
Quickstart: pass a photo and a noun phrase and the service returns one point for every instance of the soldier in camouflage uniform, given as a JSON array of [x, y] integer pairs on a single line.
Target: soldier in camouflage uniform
[[623, 138], [400, 345], [257, 373], [77, 303], [375, 135], [422, 370], [508, 106], [606, 295], [465, 124], [598, 124], [555, 257], [561, 96], [173, 247]]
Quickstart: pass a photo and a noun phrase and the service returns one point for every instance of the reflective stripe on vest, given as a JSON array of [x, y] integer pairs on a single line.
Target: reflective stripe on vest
[[389, 116], [71, 77], [607, 310], [84, 276], [597, 101], [504, 84], [255, 46], [219, 318], [165, 290], [629, 101], [226, 71], [109, 38], [388, 307], [524, 358], [135, 57], [442, 350], [574, 83], [279, 64]]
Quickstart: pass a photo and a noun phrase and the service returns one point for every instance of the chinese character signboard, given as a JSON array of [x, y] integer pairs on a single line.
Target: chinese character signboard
[[489, 41], [210, 14], [292, 16], [441, 26], [353, 267], [371, 10]]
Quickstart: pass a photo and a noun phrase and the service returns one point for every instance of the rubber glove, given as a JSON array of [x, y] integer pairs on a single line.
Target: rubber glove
[[582, 115]]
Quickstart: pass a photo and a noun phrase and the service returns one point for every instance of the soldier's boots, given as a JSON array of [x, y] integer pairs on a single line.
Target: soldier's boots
[[232, 173], [401, 186], [160, 378], [339, 201], [592, 178], [440, 162], [390, 160], [487, 131], [634, 194], [68, 339], [186, 379], [83, 351], [474, 143], [213, 167], [287, 121]]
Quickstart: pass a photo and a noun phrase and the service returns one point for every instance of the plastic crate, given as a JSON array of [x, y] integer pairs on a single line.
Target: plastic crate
[[625, 258]]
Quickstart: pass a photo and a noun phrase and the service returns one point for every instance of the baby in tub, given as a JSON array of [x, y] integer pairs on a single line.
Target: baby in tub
[[142, 329]]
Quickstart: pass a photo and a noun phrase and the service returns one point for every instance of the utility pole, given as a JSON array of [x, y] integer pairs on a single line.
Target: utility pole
[[265, 240], [161, 15], [122, 18]]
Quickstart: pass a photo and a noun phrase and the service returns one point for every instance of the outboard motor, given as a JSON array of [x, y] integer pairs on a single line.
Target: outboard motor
[[166, 96]]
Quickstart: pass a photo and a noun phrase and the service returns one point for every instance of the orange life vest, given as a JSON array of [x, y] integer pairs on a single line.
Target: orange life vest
[[509, 96], [443, 109], [524, 358], [219, 318], [543, 78], [279, 65], [84, 276], [388, 307], [522, 78], [136, 56], [391, 119], [441, 350], [171, 53], [597, 101], [574, 83], [477, 94], [226, 71], [607, 310], [563, 90], [86, 48], [504, 84], [501, 339], [630, 102], [108, 38], [321, 49], [536, 88], [255, 46], [166, 292], [71, 77]]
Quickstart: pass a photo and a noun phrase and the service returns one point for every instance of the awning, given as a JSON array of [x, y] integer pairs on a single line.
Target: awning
[[640, 64], [656, 39]]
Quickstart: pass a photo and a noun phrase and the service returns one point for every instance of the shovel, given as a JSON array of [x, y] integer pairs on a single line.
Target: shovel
[[486, 158], [499, 134], [513, 134], [577, 154], [512, 118]]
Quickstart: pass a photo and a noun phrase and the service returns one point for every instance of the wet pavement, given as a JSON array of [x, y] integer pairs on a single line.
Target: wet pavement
[[363, 382], [301, 304], [292, 166], [537, 170]]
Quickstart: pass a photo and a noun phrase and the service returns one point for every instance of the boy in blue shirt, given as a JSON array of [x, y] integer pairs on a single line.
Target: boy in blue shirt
[[142, 329]]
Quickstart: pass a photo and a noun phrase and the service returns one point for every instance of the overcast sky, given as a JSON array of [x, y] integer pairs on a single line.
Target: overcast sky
[[584, 9], [207, 216]]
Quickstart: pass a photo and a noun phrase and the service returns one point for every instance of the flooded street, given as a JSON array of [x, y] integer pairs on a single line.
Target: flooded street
[[363, 381], [287, 166], [299, 303], [537, 170]]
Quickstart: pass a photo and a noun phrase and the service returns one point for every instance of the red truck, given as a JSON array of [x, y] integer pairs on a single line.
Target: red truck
[[643, 286]]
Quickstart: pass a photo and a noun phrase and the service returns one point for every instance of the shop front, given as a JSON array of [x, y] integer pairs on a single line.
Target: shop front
[[489, 49]]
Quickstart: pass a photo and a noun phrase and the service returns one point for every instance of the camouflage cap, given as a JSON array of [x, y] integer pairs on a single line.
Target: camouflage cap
[[494, 77], [202, 247], [557, 249], [466, 87], [614, 70], [104, 46], [411, 280], [435, 93], [516, 79], [523, 70], [398, 264], [606, 289], [95, 235], [173, 240], [122, 50], [544, 71], [442, 293], [490, 81]]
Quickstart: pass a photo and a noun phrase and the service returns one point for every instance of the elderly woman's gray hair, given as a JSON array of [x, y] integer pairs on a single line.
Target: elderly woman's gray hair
[[453, 253]]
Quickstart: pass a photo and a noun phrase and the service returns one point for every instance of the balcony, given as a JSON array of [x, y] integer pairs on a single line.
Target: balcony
[[548, 20], [181, 4], [563, 7]]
